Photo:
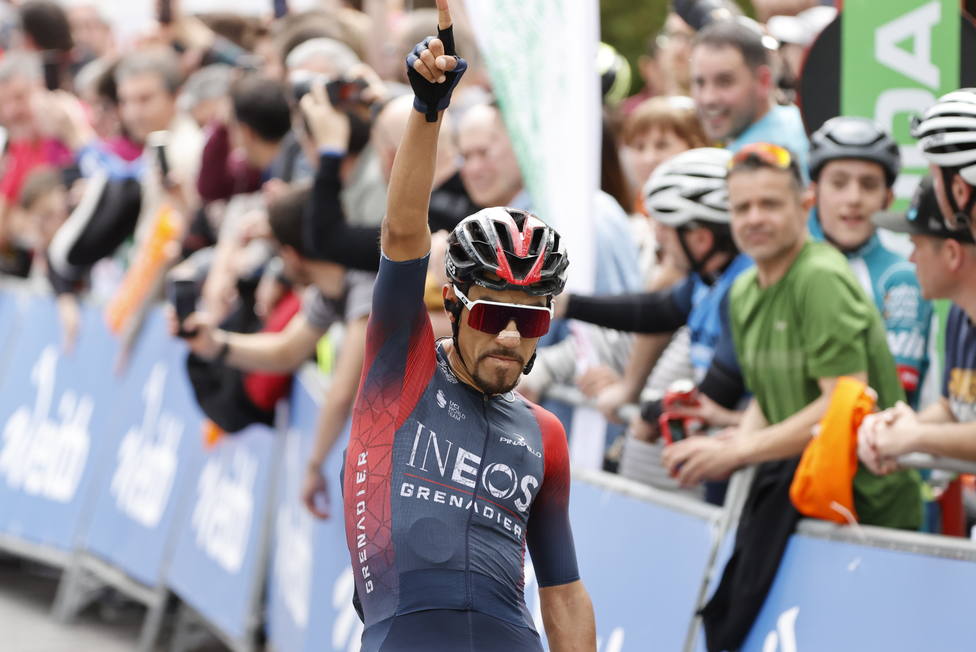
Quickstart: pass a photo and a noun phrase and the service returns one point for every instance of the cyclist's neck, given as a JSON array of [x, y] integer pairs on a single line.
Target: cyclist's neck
[[457, 366]]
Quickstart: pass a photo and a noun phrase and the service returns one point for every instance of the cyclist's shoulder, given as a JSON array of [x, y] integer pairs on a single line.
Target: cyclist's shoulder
[[549, 424]]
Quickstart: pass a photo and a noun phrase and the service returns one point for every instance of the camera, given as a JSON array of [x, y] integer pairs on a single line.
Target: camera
[[341, 92]]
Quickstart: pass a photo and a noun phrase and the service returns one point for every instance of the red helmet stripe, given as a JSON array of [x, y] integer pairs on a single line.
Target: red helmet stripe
[[504, 269]]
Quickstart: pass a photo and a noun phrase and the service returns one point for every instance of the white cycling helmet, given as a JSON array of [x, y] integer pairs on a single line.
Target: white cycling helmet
[[690, 187], [947, 133]]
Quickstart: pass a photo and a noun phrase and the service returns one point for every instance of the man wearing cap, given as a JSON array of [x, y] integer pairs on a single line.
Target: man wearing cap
[[946, 263]]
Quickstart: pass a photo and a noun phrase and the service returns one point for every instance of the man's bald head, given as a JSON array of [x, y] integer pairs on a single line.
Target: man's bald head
[[388, 130], [490, 170]]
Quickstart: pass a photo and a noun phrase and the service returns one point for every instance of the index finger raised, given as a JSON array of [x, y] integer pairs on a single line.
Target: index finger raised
[[443, 14]]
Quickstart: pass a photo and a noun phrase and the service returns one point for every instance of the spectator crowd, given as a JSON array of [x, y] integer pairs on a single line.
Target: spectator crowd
[[743, 265]]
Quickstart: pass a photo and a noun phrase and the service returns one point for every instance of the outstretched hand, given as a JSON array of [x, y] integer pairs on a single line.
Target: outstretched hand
[[439, 55], [434, 68]]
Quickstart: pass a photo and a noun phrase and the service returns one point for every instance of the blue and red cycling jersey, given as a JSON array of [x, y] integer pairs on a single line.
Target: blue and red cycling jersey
[[444, 487]]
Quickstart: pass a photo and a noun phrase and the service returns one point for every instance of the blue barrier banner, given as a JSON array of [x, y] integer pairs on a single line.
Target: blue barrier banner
[[217, 562], [642, 564], [310, 561], [830, 595], [51, 420], [9, 323], [155, 459]]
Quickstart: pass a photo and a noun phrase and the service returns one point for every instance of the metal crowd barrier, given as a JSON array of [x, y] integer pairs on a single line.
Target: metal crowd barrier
[[104, 474]]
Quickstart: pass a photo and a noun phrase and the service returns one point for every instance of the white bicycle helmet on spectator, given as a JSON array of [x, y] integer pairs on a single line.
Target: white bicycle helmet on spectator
[[690, 187], [689, 191], [947, 137]]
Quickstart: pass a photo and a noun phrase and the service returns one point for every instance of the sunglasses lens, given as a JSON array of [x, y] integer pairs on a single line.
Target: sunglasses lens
[[493, 319]]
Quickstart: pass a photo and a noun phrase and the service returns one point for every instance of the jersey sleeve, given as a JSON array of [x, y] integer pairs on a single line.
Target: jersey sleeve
[[400, 354], [834, 317], [648, 312], [549, 535], [907, 320]]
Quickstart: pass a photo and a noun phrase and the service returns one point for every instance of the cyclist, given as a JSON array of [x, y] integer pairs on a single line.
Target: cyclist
[[449, 474], [853, 165]]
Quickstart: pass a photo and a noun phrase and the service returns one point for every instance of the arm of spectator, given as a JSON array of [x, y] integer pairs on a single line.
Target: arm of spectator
[[934, 431], [334, 414], [752, 419], [709, 411], [790, 436], [648, 312], [220, 287], [329, 236], [646, 352], [711, 458], [280, 352], [567, 613]]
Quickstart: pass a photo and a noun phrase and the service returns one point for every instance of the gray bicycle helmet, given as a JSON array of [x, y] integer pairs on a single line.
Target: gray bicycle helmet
[[848, 137], [507, 249]]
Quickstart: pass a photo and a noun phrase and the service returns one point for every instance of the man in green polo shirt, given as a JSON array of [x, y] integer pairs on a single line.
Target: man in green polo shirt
[[799, 320]]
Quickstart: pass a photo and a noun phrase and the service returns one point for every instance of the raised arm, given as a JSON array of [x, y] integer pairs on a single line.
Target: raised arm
[[434, 70]]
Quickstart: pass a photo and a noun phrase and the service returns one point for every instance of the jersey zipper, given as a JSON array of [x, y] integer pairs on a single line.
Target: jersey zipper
[[469, 590]]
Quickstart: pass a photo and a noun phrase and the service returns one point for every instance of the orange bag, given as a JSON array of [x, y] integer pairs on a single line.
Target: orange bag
[[826, 471]]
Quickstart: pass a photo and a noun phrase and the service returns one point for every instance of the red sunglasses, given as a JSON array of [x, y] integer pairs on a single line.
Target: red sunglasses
[[493, 316]]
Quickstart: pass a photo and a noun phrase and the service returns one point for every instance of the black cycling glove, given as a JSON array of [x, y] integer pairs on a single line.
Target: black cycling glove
[[431, 98]]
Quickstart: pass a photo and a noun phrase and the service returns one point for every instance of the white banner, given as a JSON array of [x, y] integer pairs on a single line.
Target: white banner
[[541, 55]]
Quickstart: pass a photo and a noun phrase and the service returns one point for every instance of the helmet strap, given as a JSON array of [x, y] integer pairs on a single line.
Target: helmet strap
[[963, 214], [720, 244], [454, 308]]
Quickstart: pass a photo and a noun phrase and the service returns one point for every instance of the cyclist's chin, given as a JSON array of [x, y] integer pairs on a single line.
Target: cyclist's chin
[[497, 381]]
